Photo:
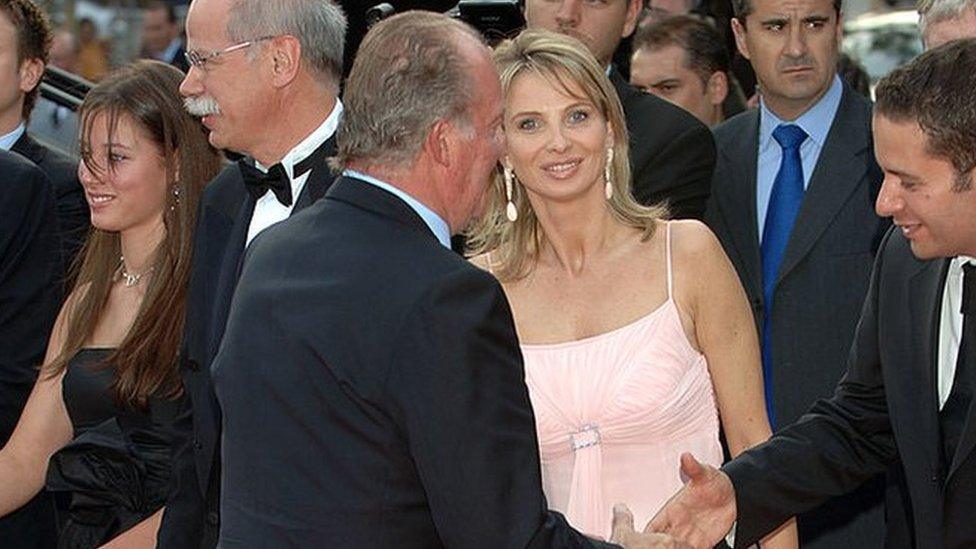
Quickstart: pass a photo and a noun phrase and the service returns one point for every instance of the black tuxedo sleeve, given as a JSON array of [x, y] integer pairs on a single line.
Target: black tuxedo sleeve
[[459, 391], [183, 519], [840, 443], [30, 294]]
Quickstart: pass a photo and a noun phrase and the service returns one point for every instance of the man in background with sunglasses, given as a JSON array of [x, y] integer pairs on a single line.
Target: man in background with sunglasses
[[264, 78]]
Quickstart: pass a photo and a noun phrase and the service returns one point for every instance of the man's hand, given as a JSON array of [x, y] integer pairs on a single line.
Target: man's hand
[[702, 512], [625, 535]]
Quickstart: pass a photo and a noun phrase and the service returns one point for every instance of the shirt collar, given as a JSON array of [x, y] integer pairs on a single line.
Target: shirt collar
[[816, 121], [955, 266], [7, 141], [436, 223], [308, 145]]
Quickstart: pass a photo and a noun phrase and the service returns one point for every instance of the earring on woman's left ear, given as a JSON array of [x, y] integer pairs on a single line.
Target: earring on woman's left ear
[[608, 174], [176, 197], [511, 212]]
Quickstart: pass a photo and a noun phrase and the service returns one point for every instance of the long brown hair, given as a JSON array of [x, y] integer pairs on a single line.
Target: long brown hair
[[147, 93]]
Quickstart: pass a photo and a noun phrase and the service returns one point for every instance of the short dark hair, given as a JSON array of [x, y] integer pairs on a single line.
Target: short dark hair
[[34, 38], [938, 91], [158, 5], [742, 8], [705, 52]]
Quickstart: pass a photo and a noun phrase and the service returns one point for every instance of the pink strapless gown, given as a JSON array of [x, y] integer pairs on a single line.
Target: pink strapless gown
[[615, 411]]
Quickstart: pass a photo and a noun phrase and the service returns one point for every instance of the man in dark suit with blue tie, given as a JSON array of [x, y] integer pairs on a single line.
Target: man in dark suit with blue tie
[[906, 403], [264, 78], [792, 203], [371, 384]]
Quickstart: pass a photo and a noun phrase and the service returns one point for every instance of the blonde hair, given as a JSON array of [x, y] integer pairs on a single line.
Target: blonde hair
[[565, 62]]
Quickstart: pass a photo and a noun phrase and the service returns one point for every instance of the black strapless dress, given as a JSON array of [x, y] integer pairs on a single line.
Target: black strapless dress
[[116, 471]]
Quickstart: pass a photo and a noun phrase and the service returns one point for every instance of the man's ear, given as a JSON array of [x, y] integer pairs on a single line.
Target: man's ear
[[286, 56], [440, 142], [840, 31], [739, 30], [633, 12], [717, 87], [31, 72]]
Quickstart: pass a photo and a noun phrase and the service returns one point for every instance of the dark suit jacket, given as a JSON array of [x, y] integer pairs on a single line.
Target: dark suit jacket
[[672, 154], [822, 281], [381, 400], [73, 214], [191, 516], [884, 409], [30, 294]]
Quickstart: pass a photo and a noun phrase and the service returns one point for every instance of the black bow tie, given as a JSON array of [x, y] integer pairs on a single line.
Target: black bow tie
[[276, 179], [968, 289]]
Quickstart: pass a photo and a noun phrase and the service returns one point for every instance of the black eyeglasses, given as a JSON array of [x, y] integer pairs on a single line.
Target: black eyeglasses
[[200, 60]]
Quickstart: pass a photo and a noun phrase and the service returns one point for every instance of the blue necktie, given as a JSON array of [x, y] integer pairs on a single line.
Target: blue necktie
[[784, 204]]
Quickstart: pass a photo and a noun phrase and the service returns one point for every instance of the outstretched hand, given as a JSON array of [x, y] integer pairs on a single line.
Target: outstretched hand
[[702, 512], [625, 535]]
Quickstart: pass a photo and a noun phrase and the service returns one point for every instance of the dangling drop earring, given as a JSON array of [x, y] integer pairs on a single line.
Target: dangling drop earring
[[510, 211], [608, 174], [176, 198]]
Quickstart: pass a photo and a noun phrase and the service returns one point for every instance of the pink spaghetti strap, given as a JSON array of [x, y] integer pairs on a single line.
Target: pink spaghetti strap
[[667, 253]]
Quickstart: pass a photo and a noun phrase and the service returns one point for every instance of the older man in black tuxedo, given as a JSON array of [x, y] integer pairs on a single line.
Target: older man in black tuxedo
[[264, 76], [371, 385]]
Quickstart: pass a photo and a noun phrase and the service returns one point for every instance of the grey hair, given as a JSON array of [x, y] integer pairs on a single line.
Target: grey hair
[[936, 11], [408, 75], [319, 26]]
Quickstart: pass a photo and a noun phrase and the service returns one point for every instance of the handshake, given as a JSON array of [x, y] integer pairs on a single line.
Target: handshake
[[698, 516]]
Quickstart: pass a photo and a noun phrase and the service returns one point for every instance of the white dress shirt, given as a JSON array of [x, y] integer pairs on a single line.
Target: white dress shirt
[[7, 140], [950, 327], [267, 209]]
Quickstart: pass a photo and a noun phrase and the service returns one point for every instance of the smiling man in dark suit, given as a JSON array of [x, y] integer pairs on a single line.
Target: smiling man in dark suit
[[792, 205], [264, 77], [25, 41], [372, 387], [671, 152], [906, 402]]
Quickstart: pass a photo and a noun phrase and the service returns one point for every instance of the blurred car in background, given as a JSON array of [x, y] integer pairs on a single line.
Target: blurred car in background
[[881, 42]]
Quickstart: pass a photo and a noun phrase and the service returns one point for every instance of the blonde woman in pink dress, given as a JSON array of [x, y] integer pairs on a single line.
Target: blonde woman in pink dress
[[636, 334]]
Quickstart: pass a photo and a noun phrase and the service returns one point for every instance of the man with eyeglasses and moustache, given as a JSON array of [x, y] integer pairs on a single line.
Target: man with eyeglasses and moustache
[[264, 78]]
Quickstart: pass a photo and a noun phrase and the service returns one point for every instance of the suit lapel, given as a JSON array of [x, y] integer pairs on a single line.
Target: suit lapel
[[925, 303], [968, 438], [229, 271], [740, 195], [842, 164], [26, 146]]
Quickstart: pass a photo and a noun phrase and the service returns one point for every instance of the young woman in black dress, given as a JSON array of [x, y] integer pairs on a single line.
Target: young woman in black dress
[[95, 429]]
